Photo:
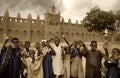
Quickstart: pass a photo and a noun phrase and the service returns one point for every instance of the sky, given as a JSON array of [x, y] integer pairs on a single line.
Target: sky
[[73, 9]]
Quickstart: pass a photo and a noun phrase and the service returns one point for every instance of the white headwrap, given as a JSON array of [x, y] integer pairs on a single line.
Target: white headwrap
[[43, 41]]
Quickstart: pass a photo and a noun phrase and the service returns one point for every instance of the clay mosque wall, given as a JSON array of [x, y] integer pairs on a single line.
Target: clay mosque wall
[[37, 29]]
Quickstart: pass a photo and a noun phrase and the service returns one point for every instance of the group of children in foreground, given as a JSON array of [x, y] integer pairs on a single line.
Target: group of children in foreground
[[51, 59]]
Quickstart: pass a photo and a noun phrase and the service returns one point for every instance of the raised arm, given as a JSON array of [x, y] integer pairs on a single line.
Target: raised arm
[[65, 40], [24, 60], [38, 47], [6, 40], [48, 44], [83, 49], [105, 46]]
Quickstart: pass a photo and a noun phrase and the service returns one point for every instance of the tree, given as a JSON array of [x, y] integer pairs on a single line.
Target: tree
[[117, 15], [99, 20]]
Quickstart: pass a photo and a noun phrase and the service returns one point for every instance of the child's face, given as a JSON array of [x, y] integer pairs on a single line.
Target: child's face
[[21, 46], [115, 54], [93, 46], [43, 44], [27, 45]]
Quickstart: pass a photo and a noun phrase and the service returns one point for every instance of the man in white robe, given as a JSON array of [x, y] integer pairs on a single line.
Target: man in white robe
[[58, 67]]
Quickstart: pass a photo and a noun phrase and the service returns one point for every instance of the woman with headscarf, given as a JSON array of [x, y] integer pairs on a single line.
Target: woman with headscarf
[[47, 60]]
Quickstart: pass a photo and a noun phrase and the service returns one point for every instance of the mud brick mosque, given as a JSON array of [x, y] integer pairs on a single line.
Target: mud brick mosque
[[37, 29]]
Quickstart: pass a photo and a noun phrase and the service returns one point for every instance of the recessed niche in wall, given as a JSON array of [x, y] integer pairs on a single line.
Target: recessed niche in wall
[[77, 33]]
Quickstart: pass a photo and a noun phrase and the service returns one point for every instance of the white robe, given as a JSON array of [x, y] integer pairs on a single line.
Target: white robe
[[34, 70], [58, 67]]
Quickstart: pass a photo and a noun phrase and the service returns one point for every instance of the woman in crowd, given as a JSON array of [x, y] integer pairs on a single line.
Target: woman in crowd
[[47, 60]]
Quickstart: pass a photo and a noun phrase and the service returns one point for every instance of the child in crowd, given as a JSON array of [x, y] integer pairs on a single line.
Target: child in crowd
[[33, 64], [112, 64]]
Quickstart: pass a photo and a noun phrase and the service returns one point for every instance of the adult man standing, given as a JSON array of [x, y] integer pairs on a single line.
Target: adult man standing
[[10, 60], [15, 60], [58, 68]]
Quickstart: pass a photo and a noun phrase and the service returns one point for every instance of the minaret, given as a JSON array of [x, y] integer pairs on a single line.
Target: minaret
[[51, 18], [53, 9]]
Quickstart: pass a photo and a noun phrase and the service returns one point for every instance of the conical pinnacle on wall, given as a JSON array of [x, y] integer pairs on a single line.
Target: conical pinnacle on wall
[[69, 21], [18, 15], [38, 17], [53, 8], [6, 14], [29, 16], [76, 21], [62, 19]]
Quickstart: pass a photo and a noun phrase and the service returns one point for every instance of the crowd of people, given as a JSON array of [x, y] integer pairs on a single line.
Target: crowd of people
[[51, 59]]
